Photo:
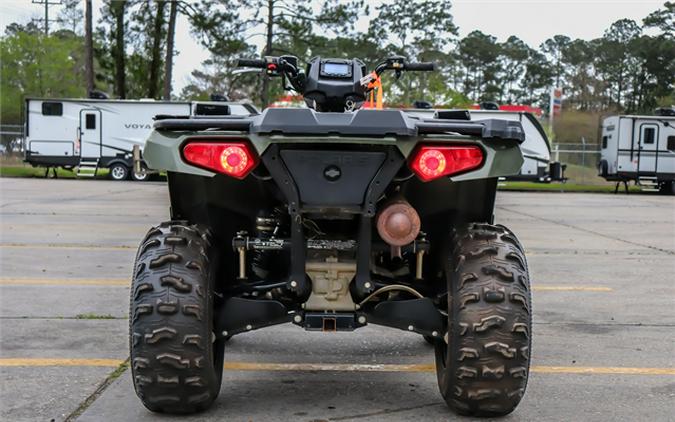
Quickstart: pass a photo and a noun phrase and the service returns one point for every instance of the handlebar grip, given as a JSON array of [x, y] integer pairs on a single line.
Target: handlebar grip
[[262, 64], [422, 66]]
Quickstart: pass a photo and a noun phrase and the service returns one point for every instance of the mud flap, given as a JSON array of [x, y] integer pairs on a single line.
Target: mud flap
[[418, 315], [239, 315]]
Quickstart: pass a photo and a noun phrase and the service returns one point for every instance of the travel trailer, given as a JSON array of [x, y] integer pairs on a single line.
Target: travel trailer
[[90, 134], [537, 165], [639, 149]]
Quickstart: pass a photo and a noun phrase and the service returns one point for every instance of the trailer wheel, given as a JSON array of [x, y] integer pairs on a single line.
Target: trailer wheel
[[176, 362], [119, 171], [483, 364], [667, 188]]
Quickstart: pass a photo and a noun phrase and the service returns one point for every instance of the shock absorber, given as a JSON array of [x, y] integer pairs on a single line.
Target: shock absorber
[[267, 226]]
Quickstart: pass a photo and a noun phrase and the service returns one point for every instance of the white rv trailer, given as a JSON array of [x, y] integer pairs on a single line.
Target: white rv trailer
[[640, 149], [91, 134], [536, 148]]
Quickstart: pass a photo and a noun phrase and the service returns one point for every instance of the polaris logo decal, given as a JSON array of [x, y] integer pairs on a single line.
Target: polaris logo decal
[[137, 126], [332, 173]]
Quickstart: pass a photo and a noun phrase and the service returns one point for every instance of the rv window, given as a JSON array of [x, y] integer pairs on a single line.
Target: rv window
[[671, 143], [52, 109], [91, 121], [648, 135], [604, 142]]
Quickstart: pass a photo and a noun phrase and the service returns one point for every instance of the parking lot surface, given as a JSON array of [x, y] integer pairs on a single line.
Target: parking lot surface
[[603, 274]]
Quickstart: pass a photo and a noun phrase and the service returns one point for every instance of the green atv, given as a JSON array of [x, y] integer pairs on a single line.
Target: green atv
[[332, 217]]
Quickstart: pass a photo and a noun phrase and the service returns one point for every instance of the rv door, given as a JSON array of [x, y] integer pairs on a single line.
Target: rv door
[[90, 133], [649, 148]]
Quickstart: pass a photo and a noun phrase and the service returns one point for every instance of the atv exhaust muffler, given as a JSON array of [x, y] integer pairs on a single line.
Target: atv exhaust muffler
[[398, 223]]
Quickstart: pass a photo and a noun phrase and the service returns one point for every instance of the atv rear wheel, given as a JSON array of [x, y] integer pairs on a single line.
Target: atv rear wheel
[[176, 366], [483, 365]]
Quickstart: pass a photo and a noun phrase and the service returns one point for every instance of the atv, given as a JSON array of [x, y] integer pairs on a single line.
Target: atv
[[332, 217]]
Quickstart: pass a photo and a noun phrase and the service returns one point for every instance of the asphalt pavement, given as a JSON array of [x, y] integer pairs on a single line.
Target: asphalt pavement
[[603, 274]]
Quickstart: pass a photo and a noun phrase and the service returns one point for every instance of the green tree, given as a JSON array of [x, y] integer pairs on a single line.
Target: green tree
[[71, 16], [663, 19], [88, 46], [536, 83], [168, 60], [117, 10], [288, 25], [514, 54], [613, 57], [653, 82], [35, 65], [555, 49], [420, 31], [479, 54]]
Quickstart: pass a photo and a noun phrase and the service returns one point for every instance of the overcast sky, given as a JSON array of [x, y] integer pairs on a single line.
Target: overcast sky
[[532, 20]]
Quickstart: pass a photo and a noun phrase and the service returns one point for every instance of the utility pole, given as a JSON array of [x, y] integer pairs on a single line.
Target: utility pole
[[46, 19]]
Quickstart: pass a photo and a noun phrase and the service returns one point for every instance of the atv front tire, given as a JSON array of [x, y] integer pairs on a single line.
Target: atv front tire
[[483, 365], [176, 366]]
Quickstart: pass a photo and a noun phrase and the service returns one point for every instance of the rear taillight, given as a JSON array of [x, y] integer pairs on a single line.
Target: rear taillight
[[430, 162], [235, 159]]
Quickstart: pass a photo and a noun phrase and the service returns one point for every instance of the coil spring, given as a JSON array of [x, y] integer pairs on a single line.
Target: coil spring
[[267, 226]]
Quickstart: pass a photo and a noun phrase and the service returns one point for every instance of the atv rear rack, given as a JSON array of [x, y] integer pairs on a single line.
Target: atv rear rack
[[376, 123]]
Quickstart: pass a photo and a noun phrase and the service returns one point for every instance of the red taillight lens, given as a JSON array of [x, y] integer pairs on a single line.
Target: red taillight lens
[[430, 162], [234, 158]]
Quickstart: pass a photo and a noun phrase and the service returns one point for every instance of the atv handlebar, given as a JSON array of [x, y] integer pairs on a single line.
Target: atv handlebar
[[421, 66], [258, 63], [399, 64], [332, 91]]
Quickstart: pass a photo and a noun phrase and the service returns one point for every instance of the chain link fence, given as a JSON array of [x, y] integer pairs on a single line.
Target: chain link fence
[[581, 159], [11, 140]]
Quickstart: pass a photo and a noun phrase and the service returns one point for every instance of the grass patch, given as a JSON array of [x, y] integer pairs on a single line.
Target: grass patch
[[94, 316], [99, 390], [119, 370], [562, 187], [584, 175], [14, 167], [28, 171]]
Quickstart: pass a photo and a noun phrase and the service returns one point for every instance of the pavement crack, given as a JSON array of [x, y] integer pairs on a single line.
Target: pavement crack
[[384, 412], [572, 226], [97, 393]]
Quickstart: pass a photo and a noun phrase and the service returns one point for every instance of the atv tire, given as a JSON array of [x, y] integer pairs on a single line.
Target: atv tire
[[176, 366], [483, 366]]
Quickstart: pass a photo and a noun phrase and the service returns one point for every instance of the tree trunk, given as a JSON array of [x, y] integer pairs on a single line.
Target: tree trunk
[[119, 55], [88, 48], [619, 88], [153, 83], [168, 61], [268, 51]]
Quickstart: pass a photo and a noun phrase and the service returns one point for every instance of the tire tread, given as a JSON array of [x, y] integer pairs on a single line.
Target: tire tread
[[483, 370]]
